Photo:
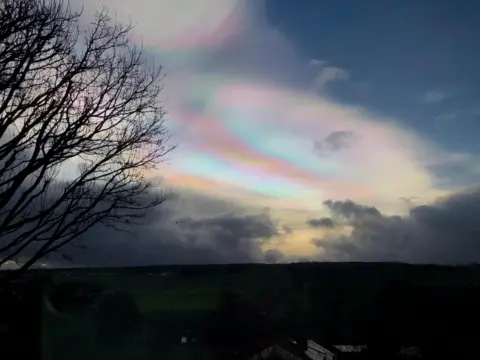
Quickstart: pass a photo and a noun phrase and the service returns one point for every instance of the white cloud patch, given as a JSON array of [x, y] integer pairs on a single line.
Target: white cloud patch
[[327, 74], [175, 25], [447, 117], [436, 95], [319, 63]]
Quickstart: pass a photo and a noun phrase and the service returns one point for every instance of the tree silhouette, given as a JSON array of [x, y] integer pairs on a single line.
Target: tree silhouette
[[80, 127]]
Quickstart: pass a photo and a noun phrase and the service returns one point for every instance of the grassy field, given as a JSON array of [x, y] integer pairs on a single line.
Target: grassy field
[[346, 302]]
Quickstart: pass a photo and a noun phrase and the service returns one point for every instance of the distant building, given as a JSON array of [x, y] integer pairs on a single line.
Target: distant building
[[351, 348], [296, 350], [318, 352], [344, 352], [311, 350], [411, 351], [287, 350]]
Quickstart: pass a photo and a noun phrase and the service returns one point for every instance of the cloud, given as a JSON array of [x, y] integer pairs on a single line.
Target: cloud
[[229, 228], [446, 117], [319, 63], [446, 232], [436, 95], [350, 211], [287, 229], [165, 25], [238, 104], [240, 109], [327, 74], [335, 141], [273, 256], [171, 235], [321, 223], [252, 56]]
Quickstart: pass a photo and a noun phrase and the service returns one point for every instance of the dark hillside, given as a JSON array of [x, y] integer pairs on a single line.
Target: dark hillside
[[339, 303]]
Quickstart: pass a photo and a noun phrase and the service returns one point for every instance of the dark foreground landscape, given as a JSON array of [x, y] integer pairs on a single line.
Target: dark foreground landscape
[[236, 311]]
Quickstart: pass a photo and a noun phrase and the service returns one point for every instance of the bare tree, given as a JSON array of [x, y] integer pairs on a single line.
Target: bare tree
[[81, 127]]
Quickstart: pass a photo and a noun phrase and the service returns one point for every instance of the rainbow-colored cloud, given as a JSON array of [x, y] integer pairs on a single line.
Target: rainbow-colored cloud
[[259, 138], [251, 137]]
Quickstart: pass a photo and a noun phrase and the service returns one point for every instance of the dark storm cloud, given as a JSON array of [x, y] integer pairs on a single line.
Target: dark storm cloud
[[167, 236], [447, 231], [337, 140], [321, 223], [273, 256], [259, 226], [349, 210]]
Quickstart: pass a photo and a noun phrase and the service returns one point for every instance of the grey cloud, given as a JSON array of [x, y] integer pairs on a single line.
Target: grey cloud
[[446, 232], [435, 96], [341, 251], [229, 232], [273, 256], [349, 210], [258, 226], [337, 140], [321, 223], [170, 236], [446, 117]]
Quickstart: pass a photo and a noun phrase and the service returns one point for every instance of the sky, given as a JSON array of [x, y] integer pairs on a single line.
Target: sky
[[326, 131]]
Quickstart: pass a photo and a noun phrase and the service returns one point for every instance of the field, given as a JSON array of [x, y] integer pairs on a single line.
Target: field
[[338, 302]]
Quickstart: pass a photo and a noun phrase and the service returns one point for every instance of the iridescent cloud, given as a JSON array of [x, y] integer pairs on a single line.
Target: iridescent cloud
[[257, 137], [178, 30], [250, 137]]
